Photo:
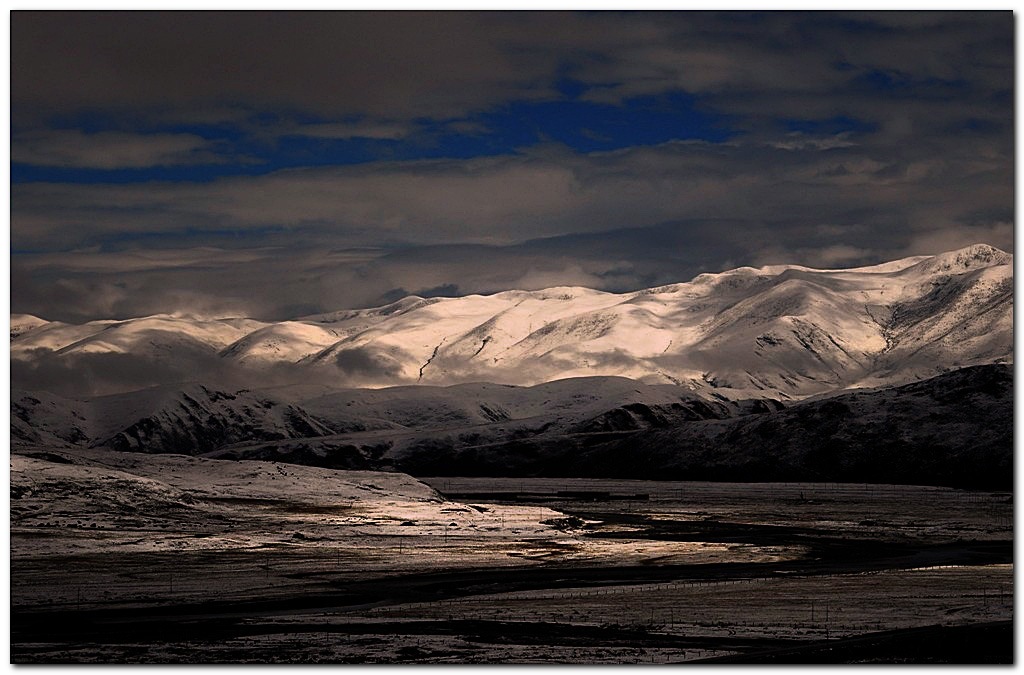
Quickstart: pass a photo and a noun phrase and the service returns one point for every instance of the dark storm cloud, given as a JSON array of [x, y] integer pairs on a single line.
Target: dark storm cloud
[[538, 221], [851, 138], [104, 373], [98, 374], [358, 364], [89, 284], [417, 64], [547, 193], [406, 65]]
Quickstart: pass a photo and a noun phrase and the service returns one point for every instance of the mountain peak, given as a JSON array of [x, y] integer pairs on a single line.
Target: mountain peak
[[968, 258], [22, 323]]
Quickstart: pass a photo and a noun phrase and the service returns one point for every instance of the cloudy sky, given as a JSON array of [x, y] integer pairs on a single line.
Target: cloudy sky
[[275, 164]]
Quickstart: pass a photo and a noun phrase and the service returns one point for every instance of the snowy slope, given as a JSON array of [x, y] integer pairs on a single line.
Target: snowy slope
[[782, 331], [152, 334], [197, 419], [153, 485], [288, 341], [476, 403], [23, 323], [88, 501], [955, 429], [191, 420]]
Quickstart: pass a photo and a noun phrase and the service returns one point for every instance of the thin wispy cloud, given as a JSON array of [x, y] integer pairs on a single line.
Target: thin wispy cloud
[[71, 148]]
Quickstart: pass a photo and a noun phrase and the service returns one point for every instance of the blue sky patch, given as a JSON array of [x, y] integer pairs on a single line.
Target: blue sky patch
[[828, 127], [254, 149]]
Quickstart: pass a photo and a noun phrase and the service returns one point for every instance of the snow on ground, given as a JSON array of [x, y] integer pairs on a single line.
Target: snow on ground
[[237, 543], [23, 323], [108, 521], [96, 501], [122, 501], [287, 341], [142, 335], [244, 531]]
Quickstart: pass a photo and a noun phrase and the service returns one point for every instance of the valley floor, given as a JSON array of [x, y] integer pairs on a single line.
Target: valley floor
[[263, 563]]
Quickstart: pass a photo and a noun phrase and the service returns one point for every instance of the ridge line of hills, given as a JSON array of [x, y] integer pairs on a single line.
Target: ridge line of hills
[[955, 429], [900, 372], [782, 331]]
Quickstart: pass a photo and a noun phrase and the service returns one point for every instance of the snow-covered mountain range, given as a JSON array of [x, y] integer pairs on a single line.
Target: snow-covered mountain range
[[897, 372], [782, 331], [954, 429]]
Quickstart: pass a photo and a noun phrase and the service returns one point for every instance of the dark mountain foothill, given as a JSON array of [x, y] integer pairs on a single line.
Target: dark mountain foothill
[[952, 430]]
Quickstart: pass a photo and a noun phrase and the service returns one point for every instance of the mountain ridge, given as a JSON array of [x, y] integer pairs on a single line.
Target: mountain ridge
[[955, 429], [779, 331]]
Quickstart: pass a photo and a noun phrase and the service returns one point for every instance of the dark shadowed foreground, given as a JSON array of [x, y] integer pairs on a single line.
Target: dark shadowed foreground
[[127, 558]]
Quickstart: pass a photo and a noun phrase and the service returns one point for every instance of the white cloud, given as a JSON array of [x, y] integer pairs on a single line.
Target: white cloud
[[109, 149]]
